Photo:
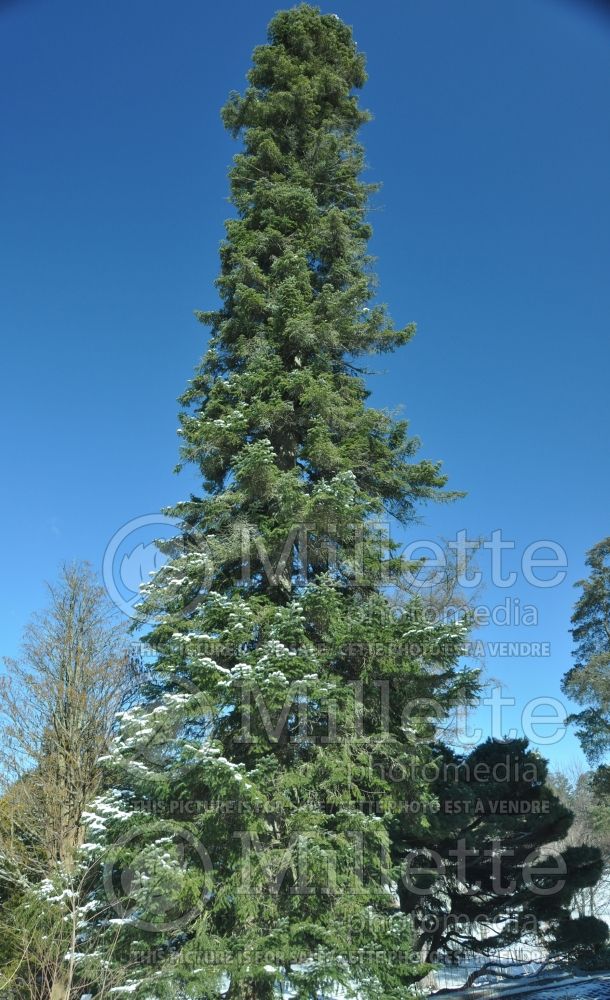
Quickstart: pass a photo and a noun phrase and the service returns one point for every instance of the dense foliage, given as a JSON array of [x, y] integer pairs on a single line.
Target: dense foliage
[[588, 681], [263, 800], [287, 671]]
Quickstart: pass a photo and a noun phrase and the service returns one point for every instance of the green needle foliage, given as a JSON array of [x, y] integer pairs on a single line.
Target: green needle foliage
[[588, 682], [247, 836]]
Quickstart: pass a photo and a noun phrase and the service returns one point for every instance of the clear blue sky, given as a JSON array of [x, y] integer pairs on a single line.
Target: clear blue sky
[[492, 139]]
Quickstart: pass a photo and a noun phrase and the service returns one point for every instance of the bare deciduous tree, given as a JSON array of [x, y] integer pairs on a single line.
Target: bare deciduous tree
[[58, 705]]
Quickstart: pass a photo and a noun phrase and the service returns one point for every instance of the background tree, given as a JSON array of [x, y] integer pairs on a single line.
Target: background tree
[[576, 788], [486, 872], [588, 681], [58, 709]]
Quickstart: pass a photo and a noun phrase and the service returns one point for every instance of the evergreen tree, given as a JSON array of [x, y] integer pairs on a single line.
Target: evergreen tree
[[490, 870], [288, 677], [588, 681]]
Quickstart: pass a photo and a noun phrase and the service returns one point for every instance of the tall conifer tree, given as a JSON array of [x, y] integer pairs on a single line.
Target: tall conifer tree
[[283, 732]]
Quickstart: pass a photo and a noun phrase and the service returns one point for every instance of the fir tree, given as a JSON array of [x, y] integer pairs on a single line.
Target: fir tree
[[256, 787]]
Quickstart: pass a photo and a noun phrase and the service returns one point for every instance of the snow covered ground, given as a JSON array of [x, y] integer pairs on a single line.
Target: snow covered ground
[[595, 990], [525, 960]]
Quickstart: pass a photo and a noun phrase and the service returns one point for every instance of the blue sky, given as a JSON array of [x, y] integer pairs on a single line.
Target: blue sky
[[492, 230]]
